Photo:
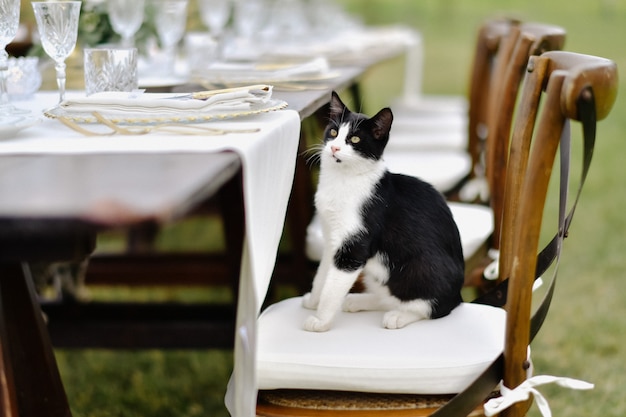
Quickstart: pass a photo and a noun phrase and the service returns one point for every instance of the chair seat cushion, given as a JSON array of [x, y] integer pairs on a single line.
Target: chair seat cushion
[[417, 133], [421, 124], [408, 137], [440, 356], [429, 104], [475, 223], [444, 169]]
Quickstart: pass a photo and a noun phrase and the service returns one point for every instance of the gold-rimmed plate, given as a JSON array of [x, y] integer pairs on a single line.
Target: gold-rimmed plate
[[186, 116]]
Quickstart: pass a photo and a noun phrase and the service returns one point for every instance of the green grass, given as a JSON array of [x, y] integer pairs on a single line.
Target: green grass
[[152, 383], [583, 336]]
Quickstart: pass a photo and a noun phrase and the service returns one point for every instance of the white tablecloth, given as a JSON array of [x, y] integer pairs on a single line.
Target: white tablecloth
[[268, 159]]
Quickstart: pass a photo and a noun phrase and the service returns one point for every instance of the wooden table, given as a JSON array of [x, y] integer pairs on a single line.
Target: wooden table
[[59, 189], [54, 204], [30, 383], [45, 216]]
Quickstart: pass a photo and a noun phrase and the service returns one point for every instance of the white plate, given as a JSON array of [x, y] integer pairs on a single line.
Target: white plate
[[267, 72], [10, 125], [186, 116], [160, 82], [255, 77]]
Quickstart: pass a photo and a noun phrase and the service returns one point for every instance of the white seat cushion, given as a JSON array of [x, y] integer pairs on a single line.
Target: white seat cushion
[[475, 223], [409, 137], [429, 105], [444, 169], [440, 356], [428, 123]]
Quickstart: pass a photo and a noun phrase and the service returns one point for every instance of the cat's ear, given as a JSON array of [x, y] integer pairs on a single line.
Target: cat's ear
[[337, 108], [382, 123]]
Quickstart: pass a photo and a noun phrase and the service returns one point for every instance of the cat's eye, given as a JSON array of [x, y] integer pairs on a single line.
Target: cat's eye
[[355, 139], [333, 133]]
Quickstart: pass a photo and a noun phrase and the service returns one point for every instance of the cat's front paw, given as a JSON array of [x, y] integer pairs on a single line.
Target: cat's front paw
[[314, 324], [309, 302], [398, 319]]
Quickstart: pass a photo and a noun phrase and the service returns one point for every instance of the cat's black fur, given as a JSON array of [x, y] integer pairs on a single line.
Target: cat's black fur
[[404, 220]]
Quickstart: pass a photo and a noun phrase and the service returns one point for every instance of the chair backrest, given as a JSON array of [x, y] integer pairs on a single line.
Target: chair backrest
[[578, 88], [490, 35], [525, 40]]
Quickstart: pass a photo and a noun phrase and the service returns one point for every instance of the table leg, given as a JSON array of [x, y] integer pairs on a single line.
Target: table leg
[[301, 210], [231, 207], [30, 382], [8, 396]]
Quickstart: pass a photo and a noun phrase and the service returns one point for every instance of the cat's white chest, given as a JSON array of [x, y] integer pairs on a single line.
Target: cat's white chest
[[339, 200], [341, 197]]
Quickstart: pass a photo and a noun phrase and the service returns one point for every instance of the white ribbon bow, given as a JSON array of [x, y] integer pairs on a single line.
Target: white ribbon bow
[[523, 391], [492, 271]]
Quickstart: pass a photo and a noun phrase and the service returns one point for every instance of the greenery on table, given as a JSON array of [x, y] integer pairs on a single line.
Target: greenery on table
[[584, 336]]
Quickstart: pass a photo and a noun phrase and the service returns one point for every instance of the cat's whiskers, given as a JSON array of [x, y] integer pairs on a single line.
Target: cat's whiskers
[[313, 154]]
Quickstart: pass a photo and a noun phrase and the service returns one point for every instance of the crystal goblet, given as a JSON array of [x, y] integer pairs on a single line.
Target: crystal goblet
[[248, 16], [171, 23], [215, 15], [126, 17], [57, 22], [9, 22]]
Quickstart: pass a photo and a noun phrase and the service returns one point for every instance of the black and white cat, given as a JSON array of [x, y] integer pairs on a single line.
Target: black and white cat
[[395, 230]]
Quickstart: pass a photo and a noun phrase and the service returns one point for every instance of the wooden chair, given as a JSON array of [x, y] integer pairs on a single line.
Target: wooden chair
[[425, 132], [534, 39], [421, 123], [502, 49], [441, 141], [491, 127], [450, 366]]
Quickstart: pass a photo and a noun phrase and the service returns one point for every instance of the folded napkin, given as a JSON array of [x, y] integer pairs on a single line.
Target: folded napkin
[[124, 103]]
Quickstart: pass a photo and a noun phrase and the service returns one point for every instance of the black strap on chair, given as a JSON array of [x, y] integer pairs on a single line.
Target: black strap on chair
[[465, 402]]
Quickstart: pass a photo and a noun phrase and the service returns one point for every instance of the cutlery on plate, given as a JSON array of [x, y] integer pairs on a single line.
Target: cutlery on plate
[[259, 89]]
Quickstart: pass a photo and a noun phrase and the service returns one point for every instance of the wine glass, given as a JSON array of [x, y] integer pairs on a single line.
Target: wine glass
[[248, 20], [57, 22], [248, 17], [126, 17], [9, 22], [171, 23], [215, 15]]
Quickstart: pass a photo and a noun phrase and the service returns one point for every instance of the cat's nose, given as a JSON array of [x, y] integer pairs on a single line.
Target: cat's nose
[[334, 149]]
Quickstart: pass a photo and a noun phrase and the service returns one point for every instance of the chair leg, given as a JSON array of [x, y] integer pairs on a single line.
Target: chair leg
[[30, 381]]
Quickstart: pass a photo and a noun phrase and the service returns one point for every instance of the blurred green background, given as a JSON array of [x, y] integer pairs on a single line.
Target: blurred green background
[[584, 334]]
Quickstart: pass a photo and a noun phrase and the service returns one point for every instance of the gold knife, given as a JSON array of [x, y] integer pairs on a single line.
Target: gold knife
[[203, 95]]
